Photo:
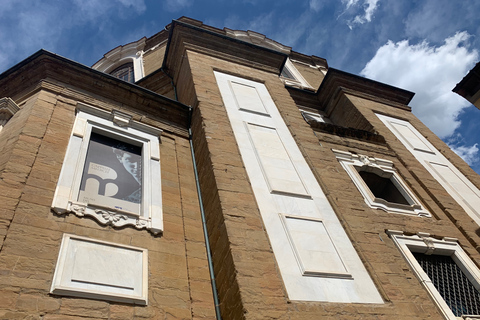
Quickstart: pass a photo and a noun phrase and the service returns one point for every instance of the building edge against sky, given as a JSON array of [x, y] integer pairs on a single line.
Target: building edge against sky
[[209, 173]]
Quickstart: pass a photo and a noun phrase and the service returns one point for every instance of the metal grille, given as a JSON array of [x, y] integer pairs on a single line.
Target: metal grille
[[452, 284], [124, 72]]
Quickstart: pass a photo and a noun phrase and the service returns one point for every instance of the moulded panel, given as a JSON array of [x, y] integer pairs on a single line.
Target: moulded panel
[[314, 249], [102, 270], [455, 183], [458, 186], [247, 98], [277, 166], [279, 176], [411, 138]]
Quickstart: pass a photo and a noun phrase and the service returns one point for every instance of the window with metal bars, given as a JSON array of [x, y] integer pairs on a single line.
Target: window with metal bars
[[124, 72], [452, 284]]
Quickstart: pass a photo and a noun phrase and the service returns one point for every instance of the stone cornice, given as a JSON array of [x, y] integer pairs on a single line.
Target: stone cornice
[[184, 36], [45, 66], [336, 80]]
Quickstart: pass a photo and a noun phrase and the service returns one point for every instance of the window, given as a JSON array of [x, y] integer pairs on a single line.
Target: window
[[287, 74], [111, 171], [316, 116], [124, 72], [445, 270], [7, 109], [379, 184], [292, 77]]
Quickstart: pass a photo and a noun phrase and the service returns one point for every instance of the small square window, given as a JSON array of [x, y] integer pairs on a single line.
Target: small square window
[[111, 171], [445, 270], [379, 183], [316, 116]]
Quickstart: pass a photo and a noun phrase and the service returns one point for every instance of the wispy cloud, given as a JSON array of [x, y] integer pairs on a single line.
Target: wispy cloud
[[431, 72], [353, 7], [45, 24], [468, 153], [177, 5]]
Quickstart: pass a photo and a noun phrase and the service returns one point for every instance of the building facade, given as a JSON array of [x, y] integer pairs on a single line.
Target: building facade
[[217, 174]]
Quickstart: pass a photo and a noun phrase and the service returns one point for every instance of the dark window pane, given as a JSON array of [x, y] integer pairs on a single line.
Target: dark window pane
[[383, 188], [287, 74]]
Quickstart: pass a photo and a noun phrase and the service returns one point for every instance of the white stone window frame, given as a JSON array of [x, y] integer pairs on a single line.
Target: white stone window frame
[[423, 243], [299, 81], [117, 125], [132, 52], [8, 108], [95, 269], [314, 116], [354, 163]]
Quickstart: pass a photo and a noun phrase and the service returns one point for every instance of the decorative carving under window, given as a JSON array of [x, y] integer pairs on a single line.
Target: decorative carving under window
[[7, 109], [379, 183]]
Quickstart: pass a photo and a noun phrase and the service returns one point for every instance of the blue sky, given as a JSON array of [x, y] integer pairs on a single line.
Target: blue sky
[[425, 46]]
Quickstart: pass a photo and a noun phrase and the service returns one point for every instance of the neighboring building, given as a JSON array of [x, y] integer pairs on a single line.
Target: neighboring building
[[323, 196], [469, 87]]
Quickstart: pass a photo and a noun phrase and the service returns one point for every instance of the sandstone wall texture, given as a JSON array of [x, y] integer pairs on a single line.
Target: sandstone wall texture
[[32, 148]]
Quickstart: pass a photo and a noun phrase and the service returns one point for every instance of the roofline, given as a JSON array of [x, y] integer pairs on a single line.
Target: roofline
[[41, 52], [175, 22], [332, 72]]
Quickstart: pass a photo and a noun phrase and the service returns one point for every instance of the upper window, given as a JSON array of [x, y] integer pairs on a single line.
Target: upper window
[[292, 77], [124, 72], [380, 184], [124, 62], [111, 171], [445, 270], [316, 116], [7, 109]]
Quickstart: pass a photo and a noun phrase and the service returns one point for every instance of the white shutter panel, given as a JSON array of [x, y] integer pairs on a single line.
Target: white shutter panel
[[454, 182], [316, 259]]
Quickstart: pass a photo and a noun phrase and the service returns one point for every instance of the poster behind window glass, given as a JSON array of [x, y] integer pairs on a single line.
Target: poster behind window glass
[[112, 176]]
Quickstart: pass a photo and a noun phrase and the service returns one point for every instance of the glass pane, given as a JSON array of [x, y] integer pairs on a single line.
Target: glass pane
[[124, 72], [112, 175]]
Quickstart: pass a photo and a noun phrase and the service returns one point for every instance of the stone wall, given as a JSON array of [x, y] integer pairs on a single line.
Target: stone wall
[[249, 284], [33, 146]]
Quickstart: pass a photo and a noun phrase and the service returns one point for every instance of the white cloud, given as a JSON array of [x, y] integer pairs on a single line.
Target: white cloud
[[349, 3], [469, 154], [431, 72], [368, 8]]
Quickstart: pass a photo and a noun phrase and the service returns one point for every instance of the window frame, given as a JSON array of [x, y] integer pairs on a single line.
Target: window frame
[[423, 243], [8, 108], [117, 125], [298, 80], [352, 162]]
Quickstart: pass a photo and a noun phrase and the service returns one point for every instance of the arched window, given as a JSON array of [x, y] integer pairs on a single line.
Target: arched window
[[124, 72]]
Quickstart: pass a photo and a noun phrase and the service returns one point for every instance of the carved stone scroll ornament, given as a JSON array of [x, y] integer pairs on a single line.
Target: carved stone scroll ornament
[[108, 216]]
